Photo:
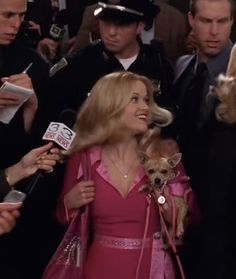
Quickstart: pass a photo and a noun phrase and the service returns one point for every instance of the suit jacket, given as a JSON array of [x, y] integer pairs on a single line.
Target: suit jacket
[[209, 159], [196, 145], [170, 27]]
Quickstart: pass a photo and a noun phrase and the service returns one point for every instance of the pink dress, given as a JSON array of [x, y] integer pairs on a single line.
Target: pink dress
[[117, 223]]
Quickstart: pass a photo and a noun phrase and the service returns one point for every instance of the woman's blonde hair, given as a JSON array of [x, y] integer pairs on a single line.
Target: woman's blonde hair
[[99, 119], [225, 91]]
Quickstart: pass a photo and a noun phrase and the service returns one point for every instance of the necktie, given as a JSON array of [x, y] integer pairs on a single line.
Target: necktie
[[193, 98]]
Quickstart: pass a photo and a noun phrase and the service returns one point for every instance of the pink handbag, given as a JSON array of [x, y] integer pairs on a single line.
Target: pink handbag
[[68, 260]]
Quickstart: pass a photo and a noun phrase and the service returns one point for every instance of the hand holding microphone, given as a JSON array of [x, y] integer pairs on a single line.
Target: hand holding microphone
[[59, 135], [48, 47]]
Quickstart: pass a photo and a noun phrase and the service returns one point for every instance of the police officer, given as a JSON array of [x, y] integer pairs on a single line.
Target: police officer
[[119, 49]]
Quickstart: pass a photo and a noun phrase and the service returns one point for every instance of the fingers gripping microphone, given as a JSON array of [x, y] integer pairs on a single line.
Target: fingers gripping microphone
[[61, 136]]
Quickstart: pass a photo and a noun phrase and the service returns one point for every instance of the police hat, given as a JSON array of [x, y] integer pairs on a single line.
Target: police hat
[[126, 11]]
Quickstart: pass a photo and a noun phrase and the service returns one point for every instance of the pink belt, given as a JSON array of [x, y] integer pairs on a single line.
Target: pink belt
[[122, 243]]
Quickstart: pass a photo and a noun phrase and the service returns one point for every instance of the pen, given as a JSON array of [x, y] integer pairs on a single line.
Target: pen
[[27, 68]]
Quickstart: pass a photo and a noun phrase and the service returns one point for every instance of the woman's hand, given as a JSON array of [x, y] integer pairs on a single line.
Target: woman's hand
[[41, 158], [9, 212], [81, 194]]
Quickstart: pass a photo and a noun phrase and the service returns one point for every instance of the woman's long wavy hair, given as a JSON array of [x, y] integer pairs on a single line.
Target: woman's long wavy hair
[[99, 119], [226, 92]]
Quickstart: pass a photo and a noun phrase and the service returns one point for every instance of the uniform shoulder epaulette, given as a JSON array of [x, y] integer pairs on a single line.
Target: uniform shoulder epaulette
[[58, 66]]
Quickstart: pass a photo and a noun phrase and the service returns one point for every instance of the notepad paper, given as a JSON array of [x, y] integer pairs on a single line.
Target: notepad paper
[[6, 114]]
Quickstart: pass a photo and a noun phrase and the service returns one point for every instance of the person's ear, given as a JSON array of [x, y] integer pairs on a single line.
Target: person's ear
[[140, 27], [190, 19]]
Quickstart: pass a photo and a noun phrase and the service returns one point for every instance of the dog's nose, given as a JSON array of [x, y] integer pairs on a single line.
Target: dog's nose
[[157, 181]]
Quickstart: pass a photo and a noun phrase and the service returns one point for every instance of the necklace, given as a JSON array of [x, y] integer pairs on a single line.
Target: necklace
[[125, 174]]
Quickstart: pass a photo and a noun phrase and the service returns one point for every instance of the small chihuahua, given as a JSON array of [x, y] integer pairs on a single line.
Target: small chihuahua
[[163, 172]]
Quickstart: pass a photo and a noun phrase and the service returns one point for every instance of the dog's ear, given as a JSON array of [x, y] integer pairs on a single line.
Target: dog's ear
[[143, 157], [175, 159]]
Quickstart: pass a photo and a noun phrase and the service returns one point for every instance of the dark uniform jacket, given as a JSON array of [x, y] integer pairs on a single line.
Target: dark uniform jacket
[[70, 85]]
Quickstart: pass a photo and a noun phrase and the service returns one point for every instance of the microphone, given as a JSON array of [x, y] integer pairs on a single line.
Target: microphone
[[61, 135], [57, 29]]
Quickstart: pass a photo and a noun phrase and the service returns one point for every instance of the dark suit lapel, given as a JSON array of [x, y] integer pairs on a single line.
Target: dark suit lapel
[[182, 65]]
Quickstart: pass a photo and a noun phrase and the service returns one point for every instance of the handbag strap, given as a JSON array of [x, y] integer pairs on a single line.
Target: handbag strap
[[86, 165], [147, 217], [170, 237], [87, 173]]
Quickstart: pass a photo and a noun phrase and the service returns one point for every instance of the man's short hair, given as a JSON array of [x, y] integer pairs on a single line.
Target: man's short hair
[[193, 6]]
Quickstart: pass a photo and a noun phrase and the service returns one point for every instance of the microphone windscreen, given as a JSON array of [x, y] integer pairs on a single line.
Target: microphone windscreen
[[62, 18], [68, 117], [59, 134]]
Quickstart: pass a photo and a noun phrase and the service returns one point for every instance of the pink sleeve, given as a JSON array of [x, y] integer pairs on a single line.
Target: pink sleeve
[[72, 176]]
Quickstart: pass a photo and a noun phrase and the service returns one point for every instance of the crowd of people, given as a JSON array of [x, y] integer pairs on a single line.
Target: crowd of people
[[114, 70]]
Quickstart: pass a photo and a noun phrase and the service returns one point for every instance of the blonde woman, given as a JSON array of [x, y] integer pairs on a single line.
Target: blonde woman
[[109, 126]]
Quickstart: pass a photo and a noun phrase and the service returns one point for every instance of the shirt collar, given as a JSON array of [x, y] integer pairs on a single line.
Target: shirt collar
[[95, 153], [218, 64]]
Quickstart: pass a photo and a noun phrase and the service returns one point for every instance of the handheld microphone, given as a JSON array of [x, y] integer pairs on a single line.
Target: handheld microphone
[[59, 132], [60, 135], [57, 29]]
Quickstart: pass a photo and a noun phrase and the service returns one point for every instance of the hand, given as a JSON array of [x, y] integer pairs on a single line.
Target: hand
[[34, 26], [19, 79], [8, 99], [41, 158], [81, 194], [47, 48], [9, 212], [31, 105]]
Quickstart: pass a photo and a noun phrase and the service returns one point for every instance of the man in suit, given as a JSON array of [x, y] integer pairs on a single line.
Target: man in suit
[[169, 26], [211, 22]]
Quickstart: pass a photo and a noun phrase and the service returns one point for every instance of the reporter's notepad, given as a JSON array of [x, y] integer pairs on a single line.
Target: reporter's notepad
[[6, 114]]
